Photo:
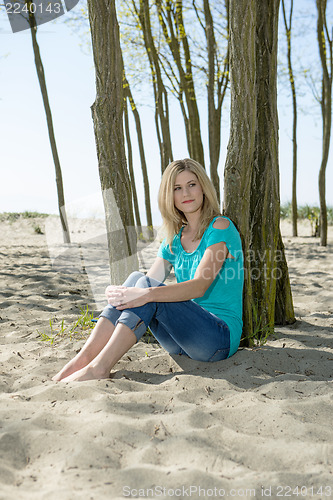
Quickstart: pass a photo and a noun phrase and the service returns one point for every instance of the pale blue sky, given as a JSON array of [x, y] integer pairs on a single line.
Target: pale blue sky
[[28, 178]]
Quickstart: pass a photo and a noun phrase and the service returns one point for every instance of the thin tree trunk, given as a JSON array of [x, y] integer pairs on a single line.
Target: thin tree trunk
[[107, 113], [284, 309], [137, 120], [219, 88], [252, 172], [131, 171], [293, 93], [324, 43], [173, 27], [43, 88], [162, 119]]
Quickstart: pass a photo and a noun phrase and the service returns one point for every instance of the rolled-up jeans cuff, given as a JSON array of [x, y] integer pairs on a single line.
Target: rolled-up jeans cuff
[[136, 324], [127, 317], [110, 313]]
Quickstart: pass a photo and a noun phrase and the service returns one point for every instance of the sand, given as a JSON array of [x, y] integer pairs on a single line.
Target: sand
[[258, 424]]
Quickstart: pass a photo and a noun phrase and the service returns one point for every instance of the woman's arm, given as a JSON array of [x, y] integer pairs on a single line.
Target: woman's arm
[[160, 269], [205, 274]]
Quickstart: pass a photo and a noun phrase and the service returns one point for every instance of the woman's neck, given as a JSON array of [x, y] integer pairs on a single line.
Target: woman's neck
[[193, 222]]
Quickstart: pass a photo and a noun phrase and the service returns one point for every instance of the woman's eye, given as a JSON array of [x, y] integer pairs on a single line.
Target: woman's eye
[[191, 185]]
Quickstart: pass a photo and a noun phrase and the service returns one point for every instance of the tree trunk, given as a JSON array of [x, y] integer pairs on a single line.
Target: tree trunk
[[217, 85], [43, 88], [172, 23], [131, 171], [252, 172], [293, 93], [107, 113], [284, 309], [162, 120], [324, 43], [137, 120]]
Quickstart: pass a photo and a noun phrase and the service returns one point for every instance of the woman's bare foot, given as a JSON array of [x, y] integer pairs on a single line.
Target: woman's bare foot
[[99, 367], [72, 366], [97, 340], [89, 372]]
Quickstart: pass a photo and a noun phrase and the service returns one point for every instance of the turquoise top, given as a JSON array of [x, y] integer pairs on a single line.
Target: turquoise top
[[224, 297]]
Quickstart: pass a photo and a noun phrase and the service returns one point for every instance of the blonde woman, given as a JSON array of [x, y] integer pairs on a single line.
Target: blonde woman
[[200, 316]]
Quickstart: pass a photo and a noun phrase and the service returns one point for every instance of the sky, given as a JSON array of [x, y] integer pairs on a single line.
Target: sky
[[28, 174]]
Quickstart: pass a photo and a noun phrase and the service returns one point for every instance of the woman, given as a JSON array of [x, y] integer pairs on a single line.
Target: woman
[[199, 316]]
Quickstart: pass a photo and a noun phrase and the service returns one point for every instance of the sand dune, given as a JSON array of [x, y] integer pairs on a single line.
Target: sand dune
[[253, 425]]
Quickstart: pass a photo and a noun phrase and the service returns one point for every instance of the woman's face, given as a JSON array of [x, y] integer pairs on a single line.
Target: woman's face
[[187, 193]]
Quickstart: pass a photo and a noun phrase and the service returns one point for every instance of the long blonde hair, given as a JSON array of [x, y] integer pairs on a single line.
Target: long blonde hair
[[174, 219]]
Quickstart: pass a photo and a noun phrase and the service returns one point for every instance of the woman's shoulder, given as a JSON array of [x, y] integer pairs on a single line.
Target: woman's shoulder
[[222, 228], [220, 222]]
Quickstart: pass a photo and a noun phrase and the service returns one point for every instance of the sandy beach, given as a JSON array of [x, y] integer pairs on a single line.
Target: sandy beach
[[255, 425]]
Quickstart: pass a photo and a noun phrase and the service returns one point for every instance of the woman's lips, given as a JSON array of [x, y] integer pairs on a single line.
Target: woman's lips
[[188, 201]]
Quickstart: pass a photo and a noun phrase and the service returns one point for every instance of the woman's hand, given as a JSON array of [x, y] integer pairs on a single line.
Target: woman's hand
[[123, 297]]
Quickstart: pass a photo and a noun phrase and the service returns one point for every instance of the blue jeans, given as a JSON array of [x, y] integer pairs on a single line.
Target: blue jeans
[[180, 327]]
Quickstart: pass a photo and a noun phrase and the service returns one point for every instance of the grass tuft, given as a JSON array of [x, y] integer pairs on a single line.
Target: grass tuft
[[309, 212], [78, 330], [261, 332], [13, 216]]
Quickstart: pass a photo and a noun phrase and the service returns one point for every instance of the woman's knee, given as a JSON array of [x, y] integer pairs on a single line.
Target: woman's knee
[[143, 282], [148, 282], [133, 278]]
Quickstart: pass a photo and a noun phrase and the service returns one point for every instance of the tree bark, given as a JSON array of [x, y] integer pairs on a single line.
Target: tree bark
[[324, 44], [251, 183], [47, 108], [107, 113]]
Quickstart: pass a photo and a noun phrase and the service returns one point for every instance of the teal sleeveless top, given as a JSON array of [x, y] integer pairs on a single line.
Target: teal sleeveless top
[[224, 297]]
